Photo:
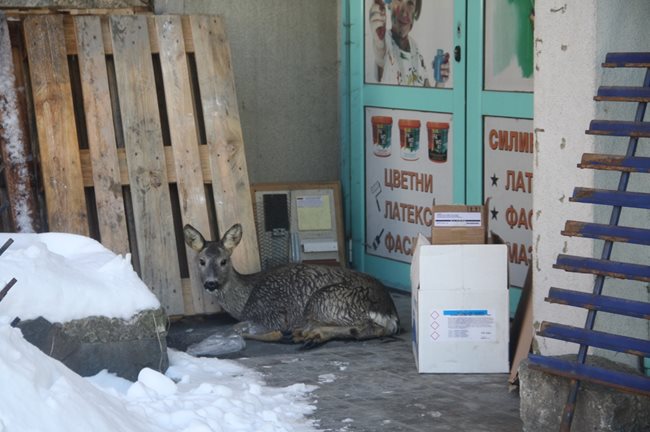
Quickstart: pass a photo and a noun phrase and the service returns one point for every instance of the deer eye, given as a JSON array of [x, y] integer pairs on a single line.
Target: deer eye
[[223, 262], [202, 261]]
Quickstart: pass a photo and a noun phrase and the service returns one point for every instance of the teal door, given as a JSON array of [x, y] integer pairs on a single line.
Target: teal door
[[421, 105]]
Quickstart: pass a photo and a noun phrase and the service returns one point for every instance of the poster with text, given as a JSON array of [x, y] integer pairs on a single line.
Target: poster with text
[[409, 42], [509, 42], [409, 167], [508, 183]]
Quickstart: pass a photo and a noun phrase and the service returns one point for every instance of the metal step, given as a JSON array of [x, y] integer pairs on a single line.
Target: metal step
[[611, 197], [577, 371], [623, 94], [615, 269], [619, 128], [600, 303], [615, 163], [627, 59], [614, 233], [593, 338]]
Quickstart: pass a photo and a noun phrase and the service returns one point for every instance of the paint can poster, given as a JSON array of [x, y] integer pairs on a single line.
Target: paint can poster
[[409, 42], [508, 182], [409, 167]]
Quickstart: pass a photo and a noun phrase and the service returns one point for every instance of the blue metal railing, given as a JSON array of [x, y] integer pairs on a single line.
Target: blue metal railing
[[603, 267]]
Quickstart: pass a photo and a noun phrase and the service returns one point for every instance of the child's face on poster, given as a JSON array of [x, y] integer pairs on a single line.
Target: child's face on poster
[[403, 13]]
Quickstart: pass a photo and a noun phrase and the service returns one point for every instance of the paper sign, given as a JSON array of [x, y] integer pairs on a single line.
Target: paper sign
[[462, 219], [314, 213], [477, 325]]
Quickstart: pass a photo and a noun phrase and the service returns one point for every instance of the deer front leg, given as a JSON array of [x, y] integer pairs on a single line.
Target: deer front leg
[[314, 335], [252, 331]]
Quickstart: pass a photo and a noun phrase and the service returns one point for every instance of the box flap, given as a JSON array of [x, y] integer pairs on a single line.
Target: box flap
[[415, 262], [460, 267]]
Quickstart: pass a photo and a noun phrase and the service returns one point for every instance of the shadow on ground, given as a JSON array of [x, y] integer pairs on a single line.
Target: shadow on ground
[[373, 385]]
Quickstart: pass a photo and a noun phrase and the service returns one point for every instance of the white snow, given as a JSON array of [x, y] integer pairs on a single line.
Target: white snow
[[64, 277]]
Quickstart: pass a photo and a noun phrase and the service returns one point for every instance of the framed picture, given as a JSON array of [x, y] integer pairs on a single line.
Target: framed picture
[[299, 222]]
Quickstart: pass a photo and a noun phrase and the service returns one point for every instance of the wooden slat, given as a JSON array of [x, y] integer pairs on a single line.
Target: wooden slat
[[615, 163], [593, 338], [71, 45], [615, 269], [168, 34], [627, 59], [101, 135], [619, 128], [145, 159], [14, 137], [615, 233], [576, 371], [224, 135], [601, 303], [87, 170], [623, 94], [55, 121], [611, 197]]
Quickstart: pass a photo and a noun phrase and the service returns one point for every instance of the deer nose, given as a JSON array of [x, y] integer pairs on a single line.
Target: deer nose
[[211, 285]]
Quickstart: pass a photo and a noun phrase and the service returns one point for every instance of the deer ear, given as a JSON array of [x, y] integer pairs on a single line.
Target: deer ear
[[232, 237], [193, 238]]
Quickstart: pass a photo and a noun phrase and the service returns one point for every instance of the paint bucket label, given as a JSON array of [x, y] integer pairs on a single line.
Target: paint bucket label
[[438, 134], [409, 138], [382, 127]]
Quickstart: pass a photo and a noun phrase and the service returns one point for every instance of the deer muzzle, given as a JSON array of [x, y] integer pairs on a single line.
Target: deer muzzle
[[211, 286]]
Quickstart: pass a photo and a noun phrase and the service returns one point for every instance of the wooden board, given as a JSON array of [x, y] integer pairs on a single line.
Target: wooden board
[[55, 122], [127, 100], [150, 195], [185, 145], [101, 134], [521, 330], [14, 138], [224, 135]]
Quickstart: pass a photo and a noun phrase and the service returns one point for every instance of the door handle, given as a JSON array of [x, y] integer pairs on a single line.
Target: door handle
[[457, 53]]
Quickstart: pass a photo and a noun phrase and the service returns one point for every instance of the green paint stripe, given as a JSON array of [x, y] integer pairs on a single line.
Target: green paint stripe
[[507, 104]]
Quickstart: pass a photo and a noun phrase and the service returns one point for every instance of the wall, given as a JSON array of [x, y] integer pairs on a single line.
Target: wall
[[76, 4], [285, 61], [285, 56], [572, 39]]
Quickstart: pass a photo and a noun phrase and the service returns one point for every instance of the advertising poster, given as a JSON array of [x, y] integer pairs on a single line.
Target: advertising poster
[[508, 182], [409, 160], [509, 42], [409, 42]]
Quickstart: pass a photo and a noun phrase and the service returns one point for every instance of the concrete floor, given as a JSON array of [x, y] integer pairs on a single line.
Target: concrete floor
[[373, 385]]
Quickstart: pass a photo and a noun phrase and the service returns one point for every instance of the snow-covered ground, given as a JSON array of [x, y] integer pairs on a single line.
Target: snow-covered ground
[[63, 277]]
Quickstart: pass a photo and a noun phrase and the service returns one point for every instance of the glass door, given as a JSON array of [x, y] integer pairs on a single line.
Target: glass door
[[413, 121], [500, 132]]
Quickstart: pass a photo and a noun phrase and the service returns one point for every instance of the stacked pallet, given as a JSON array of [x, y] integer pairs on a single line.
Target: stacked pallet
[[139, 133]]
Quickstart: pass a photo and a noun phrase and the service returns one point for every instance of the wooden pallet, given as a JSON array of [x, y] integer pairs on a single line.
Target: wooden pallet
[[603, 267], [137, 118]]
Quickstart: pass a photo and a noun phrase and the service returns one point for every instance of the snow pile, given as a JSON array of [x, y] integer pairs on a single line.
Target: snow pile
[[196, 395], [64, 277]]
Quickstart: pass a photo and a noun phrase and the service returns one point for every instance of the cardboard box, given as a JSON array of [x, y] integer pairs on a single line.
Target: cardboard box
[[459, 308], [459, 224]]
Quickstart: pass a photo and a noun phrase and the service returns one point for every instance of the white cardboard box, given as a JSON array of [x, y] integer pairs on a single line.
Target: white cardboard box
[[459, 308]]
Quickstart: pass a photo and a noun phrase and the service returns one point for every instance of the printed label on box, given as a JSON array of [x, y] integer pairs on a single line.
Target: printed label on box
[[463, 325], [457, 219]]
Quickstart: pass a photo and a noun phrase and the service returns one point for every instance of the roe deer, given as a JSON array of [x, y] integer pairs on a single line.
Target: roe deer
[[304, 303]]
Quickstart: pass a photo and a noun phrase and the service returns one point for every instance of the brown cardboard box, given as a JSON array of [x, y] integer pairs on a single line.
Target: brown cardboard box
[[459, 224]]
